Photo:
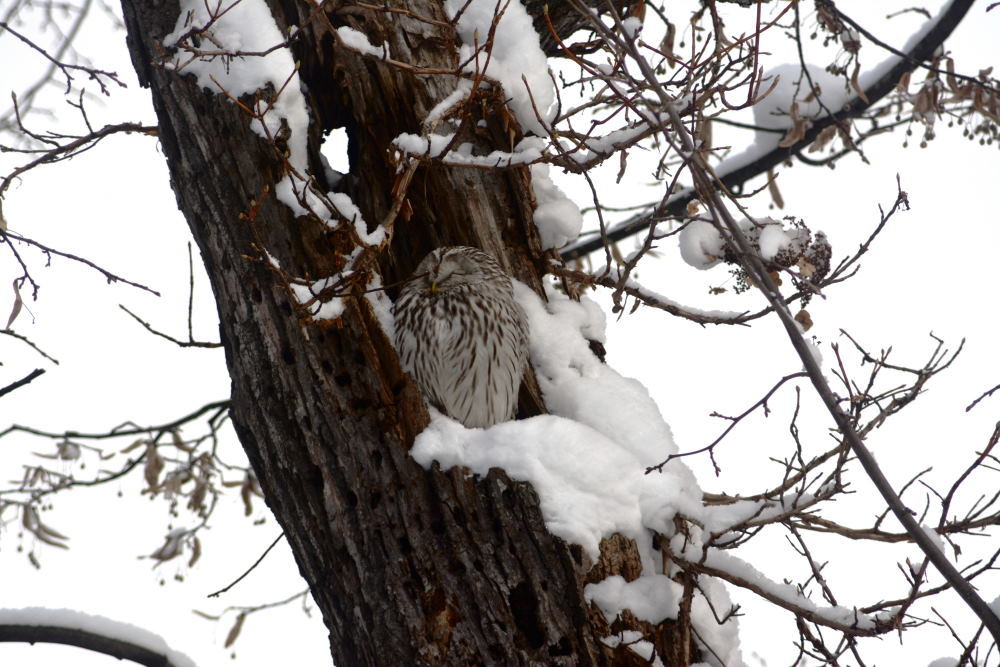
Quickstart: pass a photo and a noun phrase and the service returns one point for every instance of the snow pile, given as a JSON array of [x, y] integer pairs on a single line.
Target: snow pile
[[791, 101], [587, 459], [98, 625], [702, 246], [557, 218], [653, 598], [515, 54], [249, 27], [774, 111], [828, 94], [357, 40], [587, 462]]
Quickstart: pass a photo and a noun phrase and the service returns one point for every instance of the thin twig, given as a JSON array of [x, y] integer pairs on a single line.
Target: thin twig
[[249, 569]]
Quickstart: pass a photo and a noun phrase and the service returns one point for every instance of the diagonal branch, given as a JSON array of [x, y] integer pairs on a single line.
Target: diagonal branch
[[677, 206], [23, 381], [754, 265]]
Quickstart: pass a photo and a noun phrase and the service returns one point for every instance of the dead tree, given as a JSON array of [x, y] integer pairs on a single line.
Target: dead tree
[[407, 566]]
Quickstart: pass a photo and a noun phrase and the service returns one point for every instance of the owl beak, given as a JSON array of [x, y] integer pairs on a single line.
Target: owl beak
[[434, 287]]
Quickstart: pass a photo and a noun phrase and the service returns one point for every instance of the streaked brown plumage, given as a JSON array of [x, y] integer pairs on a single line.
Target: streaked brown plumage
[[462, 336]]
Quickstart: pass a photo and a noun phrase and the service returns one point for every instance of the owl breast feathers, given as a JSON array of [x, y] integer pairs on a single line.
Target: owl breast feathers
[[462, 336]]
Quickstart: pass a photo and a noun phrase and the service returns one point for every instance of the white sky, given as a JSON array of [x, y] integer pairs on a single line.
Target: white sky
[[932, 270]]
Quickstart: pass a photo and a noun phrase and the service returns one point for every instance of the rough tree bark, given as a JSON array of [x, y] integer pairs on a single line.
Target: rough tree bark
[[407, 566]]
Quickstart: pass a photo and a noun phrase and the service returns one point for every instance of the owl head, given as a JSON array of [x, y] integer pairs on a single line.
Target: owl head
[[455, 267]]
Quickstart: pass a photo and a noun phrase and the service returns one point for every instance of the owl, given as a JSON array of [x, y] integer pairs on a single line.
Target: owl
[[462, 336]]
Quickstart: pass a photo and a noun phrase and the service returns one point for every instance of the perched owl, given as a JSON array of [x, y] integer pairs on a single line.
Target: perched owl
[[462, 336]]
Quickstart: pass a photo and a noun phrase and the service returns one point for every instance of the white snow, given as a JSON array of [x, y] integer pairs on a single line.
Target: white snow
[[773, 111], [516, 53], [247, 26], [772, 240], [587, 462], [651, 598], [566, 462], [587, 459], [632, 26], [723, 639], [634, 642], [814, 350], [320, 310], [527, 151], [701, 244], [793, 88], [462, 90], [557, 218], [651, 295], [594, 148], [357, 40], [690, 549], [382, 306], [98, 625]]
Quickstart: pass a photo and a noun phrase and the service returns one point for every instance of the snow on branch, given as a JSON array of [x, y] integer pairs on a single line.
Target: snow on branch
[[119, 640], [869, 91]]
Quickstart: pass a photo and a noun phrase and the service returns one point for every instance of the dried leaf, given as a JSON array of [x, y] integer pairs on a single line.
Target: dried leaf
[[850, 40], [798, 129], [234, 631], [33, 560], [704, 133], [153, 468], [134, 445], [667, 43], [196, 502], [16, 309], [904, 83], [616, 253], [172, 547], [772, 188], [806, 268], [693, 207], [950, 77], [178, 441], [245, 493], [195, 551], [803, 318], [34, 525], [68, 451], [406, 210], [857, 86], [50, 532], [828, 133], [29, 518]]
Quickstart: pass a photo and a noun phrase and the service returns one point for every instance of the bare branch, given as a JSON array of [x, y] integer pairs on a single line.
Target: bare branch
[[90, 641], [23, 381]]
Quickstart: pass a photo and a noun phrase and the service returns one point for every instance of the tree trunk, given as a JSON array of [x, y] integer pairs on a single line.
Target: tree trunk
[[407, 566]]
